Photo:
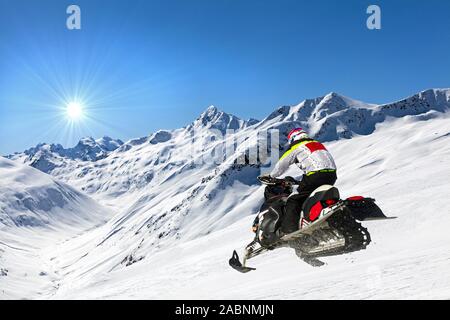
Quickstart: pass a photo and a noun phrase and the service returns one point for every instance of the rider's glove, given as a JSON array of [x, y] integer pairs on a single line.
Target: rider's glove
[[290, 179], [265, 178]]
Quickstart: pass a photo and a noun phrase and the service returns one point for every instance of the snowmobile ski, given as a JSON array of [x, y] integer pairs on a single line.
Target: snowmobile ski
[[237, 265]]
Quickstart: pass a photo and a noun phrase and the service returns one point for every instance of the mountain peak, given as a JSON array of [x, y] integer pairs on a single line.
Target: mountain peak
[[210, 113], [87, 141], [109, 144], [213, 118], [336, 97], [211, 109], [333, 94], [105, 138]]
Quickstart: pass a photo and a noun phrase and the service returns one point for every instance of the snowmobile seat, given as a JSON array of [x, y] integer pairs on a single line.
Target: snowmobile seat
[[325, 192]]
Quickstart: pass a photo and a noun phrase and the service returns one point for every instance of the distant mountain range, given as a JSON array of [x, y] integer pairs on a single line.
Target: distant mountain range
[[326, 118]]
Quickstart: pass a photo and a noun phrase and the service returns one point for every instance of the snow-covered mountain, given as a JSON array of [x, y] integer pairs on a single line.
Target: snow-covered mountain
[[334, 116], [175, 207], [144, 162], [213, 118], [29, 198], [47, 157], [37, 211]]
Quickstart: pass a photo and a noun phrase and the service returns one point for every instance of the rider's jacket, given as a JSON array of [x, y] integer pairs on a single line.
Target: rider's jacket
[[309, 155]]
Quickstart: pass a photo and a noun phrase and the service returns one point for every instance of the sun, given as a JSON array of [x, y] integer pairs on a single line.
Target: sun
[[74, 111]]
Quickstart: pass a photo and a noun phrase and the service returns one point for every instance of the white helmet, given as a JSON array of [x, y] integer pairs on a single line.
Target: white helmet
[[296, 135]]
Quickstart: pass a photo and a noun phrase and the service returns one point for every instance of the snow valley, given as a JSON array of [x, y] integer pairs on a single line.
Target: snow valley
[[147, 219]]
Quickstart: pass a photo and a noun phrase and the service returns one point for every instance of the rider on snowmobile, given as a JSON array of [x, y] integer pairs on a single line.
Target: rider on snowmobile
[[318, 168]]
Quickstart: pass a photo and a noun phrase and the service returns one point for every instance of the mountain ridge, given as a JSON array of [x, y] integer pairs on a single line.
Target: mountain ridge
[[321, 116], [144, 162]]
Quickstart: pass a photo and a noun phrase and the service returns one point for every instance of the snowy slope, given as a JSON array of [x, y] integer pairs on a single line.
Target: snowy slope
[[29, 198], [180, 217], [36, 211], [405, 165]]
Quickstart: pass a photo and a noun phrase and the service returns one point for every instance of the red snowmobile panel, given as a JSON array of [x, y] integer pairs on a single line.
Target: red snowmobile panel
[[315, 211], [356, 198]]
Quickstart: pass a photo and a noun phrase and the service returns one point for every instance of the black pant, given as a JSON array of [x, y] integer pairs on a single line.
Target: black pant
[[295, 202]]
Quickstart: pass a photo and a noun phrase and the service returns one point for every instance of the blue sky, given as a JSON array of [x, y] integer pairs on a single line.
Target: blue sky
[[140, 66]]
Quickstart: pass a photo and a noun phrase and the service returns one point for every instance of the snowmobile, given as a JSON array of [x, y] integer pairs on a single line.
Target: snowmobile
[[328, 225]]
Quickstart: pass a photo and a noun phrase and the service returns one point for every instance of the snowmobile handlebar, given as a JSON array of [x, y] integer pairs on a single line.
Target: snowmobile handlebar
[[287, 181]]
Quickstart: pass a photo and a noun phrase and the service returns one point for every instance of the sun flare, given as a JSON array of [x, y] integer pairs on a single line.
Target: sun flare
[[74, 111]]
